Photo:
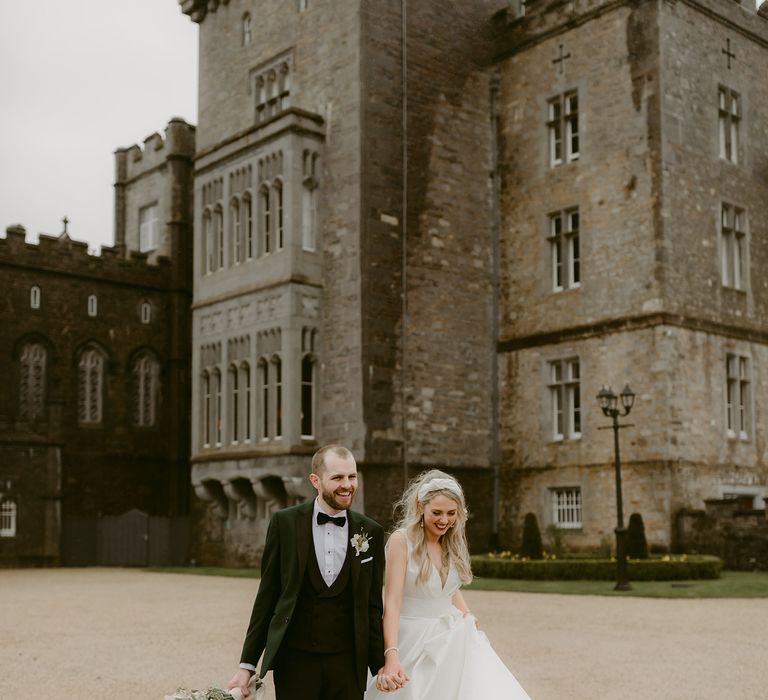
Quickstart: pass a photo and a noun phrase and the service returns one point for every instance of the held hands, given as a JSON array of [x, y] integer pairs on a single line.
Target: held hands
[[240, 680], [391, 676]]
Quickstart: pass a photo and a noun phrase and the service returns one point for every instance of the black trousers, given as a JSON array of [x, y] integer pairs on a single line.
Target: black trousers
[[305, 675]]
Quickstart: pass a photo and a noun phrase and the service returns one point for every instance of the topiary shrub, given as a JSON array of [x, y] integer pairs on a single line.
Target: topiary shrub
[[637, 547], [531, 548]]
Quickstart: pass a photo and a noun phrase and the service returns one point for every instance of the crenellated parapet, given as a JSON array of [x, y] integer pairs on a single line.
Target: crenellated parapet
[[67, 256], [527, 22], [198, 9], [134, 161]]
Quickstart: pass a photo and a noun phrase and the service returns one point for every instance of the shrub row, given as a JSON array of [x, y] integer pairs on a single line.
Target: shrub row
[[692, 567]]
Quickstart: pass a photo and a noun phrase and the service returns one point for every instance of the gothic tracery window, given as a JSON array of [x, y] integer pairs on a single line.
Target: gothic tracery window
[[32, 388], [145, 393], [90, 386]]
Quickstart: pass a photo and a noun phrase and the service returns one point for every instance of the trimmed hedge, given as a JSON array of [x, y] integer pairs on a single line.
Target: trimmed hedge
[[655, 569]]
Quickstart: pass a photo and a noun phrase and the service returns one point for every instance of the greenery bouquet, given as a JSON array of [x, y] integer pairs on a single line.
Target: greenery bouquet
[[255, 686]]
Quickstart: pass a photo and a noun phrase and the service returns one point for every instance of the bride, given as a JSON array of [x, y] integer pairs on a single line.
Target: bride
[[433, 649]]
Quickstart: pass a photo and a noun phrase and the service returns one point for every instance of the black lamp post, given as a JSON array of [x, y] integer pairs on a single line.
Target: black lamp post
[[609, 403]]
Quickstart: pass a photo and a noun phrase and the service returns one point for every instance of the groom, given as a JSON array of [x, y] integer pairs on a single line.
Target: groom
[[318, 612]]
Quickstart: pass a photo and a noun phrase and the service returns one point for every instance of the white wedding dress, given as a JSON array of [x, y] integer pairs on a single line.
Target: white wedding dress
[[441, 651]]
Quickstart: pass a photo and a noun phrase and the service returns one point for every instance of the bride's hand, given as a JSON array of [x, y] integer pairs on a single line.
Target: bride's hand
[[391, 676], [477, 622]]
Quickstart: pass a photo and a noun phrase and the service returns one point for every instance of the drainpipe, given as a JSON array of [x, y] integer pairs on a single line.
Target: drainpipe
[[495, 450]]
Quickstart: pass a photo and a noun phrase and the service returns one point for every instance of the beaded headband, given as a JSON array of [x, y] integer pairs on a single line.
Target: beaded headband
[[438, 484]]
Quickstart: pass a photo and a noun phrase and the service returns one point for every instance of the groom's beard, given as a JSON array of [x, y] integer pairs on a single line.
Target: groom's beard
[[331, 499]]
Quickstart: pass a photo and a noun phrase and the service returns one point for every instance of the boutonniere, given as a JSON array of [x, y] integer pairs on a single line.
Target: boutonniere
[[360, 542]]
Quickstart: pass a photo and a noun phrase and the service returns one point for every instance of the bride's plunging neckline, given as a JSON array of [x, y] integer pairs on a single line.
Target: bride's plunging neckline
[[439, 577]]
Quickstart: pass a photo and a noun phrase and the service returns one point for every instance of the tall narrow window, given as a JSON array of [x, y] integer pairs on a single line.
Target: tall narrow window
[[149, 228], [247, 36], [217, 406], [146, 312], [277, 190], [563, 127], [7, 519], [738, 407], [90, 386], [34, 297], [234, 405], [209, 245], [93, 305], [248, 225], [245, 381], [218, 234], [729, 121], [278, 373], [266, 220], [265, 410], [564, 249], [238, 249], [565, 398], [308, 397], [32, 386], [146, 373], [733, 245], [207, 417], [309, 202], [566, 508]]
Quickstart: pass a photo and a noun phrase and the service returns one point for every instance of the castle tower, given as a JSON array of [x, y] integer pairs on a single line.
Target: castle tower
[[633, 235], [320, 312]]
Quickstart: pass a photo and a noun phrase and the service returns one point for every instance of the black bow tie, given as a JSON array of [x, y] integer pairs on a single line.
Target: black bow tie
[[323, 518]]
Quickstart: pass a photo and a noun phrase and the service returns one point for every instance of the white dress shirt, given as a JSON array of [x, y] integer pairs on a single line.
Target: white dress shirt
[[330, 543]]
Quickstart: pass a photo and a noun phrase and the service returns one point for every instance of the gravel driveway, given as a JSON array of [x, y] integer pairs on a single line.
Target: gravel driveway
[[124, 634]]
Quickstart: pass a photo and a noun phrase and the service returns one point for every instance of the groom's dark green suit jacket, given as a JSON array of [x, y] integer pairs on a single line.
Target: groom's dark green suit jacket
[[283, 566]]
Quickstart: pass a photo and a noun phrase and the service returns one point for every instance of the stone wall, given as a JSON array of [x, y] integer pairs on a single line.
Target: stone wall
[[727, 529]]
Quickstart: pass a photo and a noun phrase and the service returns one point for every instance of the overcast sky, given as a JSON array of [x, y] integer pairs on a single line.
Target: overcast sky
[[79, 79]]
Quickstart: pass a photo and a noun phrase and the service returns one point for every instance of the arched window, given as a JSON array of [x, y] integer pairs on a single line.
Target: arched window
[[248, 225], [93, 305], [277, 368], [207, 417], [277, 193], [146, 312], [32, 385], [308, 396], [217, 406], [264, 382], [209, 258], [247, 35], [234, 404], [309, 215], [238, 252], [245, 383], [146, 371], [7, 519], [90, 386], [218, 235], [34, 297], [266, 220]]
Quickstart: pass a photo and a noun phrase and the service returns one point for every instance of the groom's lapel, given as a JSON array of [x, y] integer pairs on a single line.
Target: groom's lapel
[[354, 527], [304, 535]]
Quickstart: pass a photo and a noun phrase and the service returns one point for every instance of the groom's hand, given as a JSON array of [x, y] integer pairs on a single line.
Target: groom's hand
[[240, 680]]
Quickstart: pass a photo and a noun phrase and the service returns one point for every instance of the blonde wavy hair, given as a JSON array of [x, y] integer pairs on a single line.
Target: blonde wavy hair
[[409, 519]]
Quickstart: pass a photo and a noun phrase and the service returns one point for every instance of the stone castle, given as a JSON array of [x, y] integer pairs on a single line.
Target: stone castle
[[433, 231]]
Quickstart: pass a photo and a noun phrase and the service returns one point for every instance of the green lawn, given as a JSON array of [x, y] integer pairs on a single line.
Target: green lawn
[[732, 584]]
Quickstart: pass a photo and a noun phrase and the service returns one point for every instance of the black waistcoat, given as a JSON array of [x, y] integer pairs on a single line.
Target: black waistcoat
[[323, 620]]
